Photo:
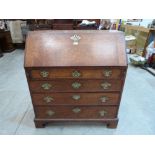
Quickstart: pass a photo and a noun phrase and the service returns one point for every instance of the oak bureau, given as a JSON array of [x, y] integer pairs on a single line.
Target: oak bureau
[[75, 75]]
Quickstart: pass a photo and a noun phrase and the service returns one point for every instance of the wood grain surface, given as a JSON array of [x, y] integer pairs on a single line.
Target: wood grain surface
[[55, 48]]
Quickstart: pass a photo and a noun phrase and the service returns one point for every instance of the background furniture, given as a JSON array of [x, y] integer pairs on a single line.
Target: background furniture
[[87, 27], [6, 41], [1, 36], [63, 24], [142, 35], [60, 24], [1, 54], [39, 24]]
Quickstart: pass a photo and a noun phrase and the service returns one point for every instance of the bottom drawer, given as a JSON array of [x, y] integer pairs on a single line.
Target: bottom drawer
[[76, 112]]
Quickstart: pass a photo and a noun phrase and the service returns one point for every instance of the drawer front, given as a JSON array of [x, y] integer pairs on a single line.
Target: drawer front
[[76, 99], [105, 73], [73, 112], [75, 86]]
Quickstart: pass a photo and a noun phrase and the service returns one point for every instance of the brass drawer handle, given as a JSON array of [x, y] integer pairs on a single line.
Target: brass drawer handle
[[76, 85], [46, 86], [105, 85], [50, 113], [44, 74], [102, 113], [76, 110], [76, 74], [104, 99], [76, 97], [107, 73], [48, 99]]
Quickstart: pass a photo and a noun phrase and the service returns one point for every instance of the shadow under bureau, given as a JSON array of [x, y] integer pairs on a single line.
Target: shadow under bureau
[[75, 75]]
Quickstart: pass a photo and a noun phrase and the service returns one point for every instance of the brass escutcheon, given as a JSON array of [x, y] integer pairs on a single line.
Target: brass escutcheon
[[48, 99], [76, 97], [50, 113], [104, 99], [75, 39], [76, 110], [46, 86], [102, 113], [76, 85], [76, 74], [105, 85], [44, 74], [107, 73]]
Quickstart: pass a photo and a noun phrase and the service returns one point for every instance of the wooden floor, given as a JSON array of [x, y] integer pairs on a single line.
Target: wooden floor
[[137, 110]]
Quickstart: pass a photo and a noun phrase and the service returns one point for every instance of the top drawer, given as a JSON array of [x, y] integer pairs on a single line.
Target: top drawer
[[97, 73]]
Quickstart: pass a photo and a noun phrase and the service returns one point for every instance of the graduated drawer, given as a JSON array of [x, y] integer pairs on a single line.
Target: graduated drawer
[[75, 85], [73, 112], [76, 99], [97, 73]]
